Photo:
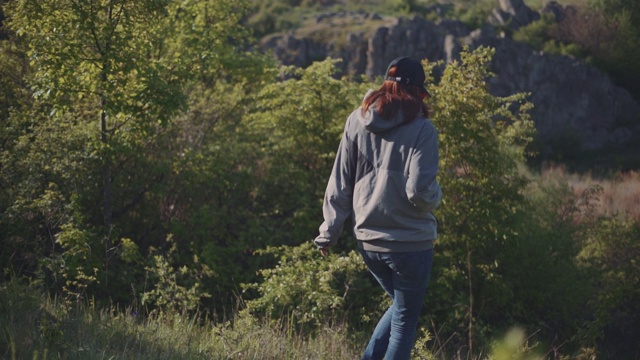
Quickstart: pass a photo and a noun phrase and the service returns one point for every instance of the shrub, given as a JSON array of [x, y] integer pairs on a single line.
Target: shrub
[[544, 34], [482, 139], [174, 290], [611, 251], [313, 291], [19, 310]]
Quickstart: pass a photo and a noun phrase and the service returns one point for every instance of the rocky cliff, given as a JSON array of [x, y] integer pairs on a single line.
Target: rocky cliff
[[576, 105]]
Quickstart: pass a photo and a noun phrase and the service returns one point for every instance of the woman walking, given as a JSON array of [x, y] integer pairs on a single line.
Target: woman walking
[[384, 177]]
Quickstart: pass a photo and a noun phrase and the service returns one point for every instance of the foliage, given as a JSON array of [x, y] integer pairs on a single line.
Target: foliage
[[95, 144], [620, 192], [297, 141], [544, 33], [602, 33], [34, 327], [421, 348], [473, 13], [17, 308], [275, 16], [15, 97], [482, 140], [612, 251], [619, 55], [269, 16], [169, 294], [543, 262], [244, 178], [514, 346], [310, 290], [206, 153], [204, 199]]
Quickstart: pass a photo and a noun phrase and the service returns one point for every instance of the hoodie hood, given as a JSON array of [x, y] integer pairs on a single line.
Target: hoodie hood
[[374, 122]]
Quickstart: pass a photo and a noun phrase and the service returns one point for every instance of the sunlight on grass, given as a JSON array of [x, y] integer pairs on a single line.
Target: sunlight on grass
[[58, 330]]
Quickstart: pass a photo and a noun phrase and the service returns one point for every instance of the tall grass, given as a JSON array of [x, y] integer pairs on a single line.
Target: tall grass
[[620, 194], [33, 326], [41, 328]]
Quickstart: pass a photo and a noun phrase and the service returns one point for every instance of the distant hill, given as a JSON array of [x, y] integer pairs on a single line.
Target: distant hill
[[582, 117]]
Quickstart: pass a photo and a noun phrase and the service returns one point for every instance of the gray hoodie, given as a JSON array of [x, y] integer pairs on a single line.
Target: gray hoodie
[[384, 177]]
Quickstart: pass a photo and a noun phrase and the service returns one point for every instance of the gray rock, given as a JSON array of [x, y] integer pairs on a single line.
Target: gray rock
[[569, 96], [417, 37], [453, 27], [572, 100], [291, 50], [452, 48]]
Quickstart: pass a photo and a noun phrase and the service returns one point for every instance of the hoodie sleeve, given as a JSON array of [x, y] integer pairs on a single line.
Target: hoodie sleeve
[[422, 187], [338, 199]]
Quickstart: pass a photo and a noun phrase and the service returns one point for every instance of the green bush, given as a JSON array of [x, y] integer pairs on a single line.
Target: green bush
[[307, 289], [174, 289], [473, 13], [543, 35], [620, 59], [19, 313], [611, 251], [481, 143]]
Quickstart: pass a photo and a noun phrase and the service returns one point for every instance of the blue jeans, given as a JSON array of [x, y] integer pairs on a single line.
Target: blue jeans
[[405, 277]]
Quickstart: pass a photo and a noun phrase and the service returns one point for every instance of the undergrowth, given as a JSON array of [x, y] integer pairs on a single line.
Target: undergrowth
[[36, 327], [620, 193]]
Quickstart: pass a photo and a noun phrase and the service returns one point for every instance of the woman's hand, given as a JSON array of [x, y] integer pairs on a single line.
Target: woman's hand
[[325, 250]]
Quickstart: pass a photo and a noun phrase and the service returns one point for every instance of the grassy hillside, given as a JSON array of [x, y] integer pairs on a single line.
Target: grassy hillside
[[281, 15], [40, 328]]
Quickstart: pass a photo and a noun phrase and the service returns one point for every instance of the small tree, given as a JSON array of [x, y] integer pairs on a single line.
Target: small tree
[[482, 140], [108, 79], [297, 124]]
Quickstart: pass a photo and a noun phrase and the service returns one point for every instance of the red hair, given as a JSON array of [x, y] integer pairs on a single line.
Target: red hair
[[392, 97]]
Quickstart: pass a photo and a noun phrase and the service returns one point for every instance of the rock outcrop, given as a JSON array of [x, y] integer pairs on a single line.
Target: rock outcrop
[[513, 13], [575, 104]]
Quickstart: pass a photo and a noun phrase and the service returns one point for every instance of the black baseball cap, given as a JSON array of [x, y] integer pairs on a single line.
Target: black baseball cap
[[408, 71]]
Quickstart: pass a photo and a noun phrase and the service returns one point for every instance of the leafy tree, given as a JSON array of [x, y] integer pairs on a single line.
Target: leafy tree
[[109, 78], [619, 55], [610, 252], [207, 202], [482, 140], [101, 51], [14, 97], [548, 288], [245, 174], [297, 124]]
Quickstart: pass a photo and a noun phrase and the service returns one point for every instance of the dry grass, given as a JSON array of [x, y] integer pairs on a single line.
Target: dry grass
[[620, 193], [335, 28], [33, 326]]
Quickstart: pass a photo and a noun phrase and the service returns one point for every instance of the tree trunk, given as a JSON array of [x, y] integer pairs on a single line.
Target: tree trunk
[[106, 174], [470, 328]]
